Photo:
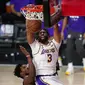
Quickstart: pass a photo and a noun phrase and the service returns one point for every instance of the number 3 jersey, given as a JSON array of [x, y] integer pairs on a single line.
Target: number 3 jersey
[[45, 57]]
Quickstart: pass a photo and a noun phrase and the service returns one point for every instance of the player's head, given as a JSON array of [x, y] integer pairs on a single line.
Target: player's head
[[21, 70], [43, 36]]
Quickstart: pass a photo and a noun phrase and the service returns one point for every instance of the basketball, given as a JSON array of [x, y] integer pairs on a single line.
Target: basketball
[[33, 26]]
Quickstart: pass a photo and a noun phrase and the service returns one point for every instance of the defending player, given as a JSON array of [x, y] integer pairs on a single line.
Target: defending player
[[24, 71]]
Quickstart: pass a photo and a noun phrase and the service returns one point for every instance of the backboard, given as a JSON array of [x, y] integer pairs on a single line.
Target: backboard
[[51, 11]]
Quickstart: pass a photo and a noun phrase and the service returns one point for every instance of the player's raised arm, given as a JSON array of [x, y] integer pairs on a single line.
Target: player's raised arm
[[56, 34], [32, 26], [29, 59], [31, 77], [65, 21], [30, 35]]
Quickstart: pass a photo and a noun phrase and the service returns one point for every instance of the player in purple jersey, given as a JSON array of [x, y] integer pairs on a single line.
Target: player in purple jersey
[[76, 31]]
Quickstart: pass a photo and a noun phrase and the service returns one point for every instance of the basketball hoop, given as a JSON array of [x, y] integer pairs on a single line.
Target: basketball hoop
[[35, 12]]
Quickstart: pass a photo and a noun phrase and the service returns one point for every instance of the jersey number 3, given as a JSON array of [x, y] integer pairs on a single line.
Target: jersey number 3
[[49, 57]]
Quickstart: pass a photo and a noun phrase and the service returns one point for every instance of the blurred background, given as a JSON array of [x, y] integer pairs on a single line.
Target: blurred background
[[13, 34]]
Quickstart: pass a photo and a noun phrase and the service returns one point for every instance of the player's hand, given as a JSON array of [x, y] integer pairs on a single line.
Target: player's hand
[[55, 26], [24, 51]]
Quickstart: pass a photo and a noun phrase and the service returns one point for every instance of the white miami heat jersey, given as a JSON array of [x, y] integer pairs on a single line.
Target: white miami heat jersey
[[45, 57]]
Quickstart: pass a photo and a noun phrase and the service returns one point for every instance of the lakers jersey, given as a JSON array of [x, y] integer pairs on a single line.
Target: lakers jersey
[[45, 57]]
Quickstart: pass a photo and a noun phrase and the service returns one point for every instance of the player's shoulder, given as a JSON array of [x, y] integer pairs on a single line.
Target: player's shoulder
[[53, 41], [35, 46], [34, 43]]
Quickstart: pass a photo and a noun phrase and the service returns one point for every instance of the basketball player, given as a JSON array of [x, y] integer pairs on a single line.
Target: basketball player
[[76, 33], [27, 72], [45, 55]]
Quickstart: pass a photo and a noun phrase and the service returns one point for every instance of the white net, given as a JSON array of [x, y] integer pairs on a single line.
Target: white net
[[33, 12]]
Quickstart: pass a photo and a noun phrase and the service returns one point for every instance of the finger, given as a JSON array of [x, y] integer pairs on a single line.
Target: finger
[[20, 46], [22, 49]]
